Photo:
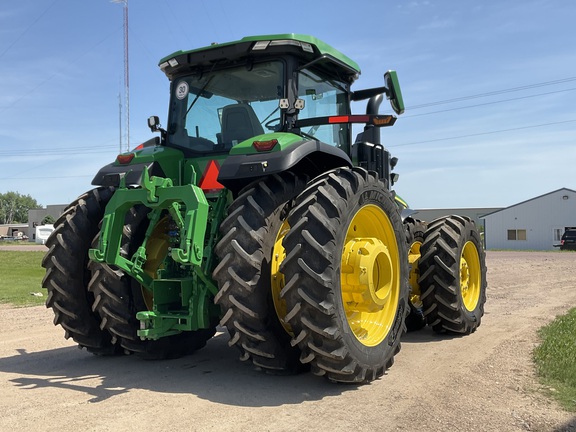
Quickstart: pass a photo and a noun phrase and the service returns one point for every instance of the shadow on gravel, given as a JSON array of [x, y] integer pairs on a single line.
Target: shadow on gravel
[[214, 373], [427, 335], [568, 427]]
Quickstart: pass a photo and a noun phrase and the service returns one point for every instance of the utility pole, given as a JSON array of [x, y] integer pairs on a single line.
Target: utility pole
[[120, 122], [126, 75]]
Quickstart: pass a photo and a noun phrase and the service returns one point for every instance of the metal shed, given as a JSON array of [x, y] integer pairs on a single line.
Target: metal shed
[[536, 224]]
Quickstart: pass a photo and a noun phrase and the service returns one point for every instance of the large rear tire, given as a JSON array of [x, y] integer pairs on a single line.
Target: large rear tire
[[67, 272], [250, 253], [118, 297], [453, 275], [346, 274]]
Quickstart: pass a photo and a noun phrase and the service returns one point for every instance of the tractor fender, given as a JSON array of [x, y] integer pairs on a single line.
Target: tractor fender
[[160, 161], [112, 174], [407, 214], [311, 158]]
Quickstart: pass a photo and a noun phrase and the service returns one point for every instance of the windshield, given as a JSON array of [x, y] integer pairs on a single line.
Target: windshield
[[214, 111], [324, 97]]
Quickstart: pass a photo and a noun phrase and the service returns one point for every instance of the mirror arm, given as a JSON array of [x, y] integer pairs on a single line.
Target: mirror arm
[[368, 93]]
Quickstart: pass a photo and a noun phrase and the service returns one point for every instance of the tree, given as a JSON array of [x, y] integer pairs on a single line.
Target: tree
[[14, 207], [48, 220]]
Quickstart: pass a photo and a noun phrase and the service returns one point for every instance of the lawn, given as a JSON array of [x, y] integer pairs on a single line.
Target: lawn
[[555, 359], [20, 276]]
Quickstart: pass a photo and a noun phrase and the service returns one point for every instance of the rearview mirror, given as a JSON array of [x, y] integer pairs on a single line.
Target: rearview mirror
[[394, 92]]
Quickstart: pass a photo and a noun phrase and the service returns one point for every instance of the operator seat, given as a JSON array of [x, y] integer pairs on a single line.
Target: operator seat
[[239, 122]]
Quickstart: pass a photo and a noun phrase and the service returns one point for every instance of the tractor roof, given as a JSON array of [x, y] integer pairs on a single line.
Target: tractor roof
[[307, 47]]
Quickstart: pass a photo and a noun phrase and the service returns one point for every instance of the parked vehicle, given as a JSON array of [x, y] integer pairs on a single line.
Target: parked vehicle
[[568, 240], [43, 232]]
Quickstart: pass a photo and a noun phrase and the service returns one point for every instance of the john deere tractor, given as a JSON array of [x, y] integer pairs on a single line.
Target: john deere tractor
[[255, 208]]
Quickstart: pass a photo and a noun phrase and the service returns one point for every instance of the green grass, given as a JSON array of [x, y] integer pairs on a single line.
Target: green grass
[[555, 359], [21, 274], [14, 243]]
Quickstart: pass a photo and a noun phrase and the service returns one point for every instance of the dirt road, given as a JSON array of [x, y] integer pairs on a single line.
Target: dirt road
[[482, 382]]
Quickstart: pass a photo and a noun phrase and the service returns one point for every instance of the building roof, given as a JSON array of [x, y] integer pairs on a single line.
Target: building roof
[[528, 200]]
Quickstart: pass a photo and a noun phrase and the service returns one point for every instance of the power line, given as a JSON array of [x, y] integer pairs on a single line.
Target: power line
[[57, 151], [482, 133], [27, 29], [44, 177], [28, 93], [490, 103], [493, 93]]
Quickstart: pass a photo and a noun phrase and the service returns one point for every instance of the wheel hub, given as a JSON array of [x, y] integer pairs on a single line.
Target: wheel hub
[[367, 272], [370, 275]]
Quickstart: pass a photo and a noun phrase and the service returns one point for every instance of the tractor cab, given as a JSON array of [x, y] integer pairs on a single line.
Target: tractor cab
[[264, 94]]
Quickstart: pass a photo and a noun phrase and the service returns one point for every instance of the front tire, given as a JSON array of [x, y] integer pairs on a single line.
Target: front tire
[[67, 272], [453, 275], [346, 275]]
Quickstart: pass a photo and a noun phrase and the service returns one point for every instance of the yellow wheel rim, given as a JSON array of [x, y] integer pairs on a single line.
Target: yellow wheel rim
[[277, 280], [370, 275], [156, 252], [470, 276], [413, 260]]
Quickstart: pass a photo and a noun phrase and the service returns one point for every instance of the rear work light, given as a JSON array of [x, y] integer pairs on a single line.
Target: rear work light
[[124, 159], [264, 146], [262, 45]]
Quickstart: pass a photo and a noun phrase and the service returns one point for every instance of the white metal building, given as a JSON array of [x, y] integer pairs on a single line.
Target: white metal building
[[536, 224]]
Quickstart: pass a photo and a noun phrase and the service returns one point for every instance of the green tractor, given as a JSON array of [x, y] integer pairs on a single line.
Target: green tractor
[[255, 209]]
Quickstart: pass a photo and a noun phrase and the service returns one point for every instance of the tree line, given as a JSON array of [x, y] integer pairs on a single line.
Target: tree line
[[14, 207]]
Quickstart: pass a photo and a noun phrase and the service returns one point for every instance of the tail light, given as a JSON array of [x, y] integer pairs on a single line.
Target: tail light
[[125, 158], [264, 146]]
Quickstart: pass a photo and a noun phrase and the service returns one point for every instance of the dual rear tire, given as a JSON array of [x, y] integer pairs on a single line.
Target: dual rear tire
[[95, 303], [337, 301], [118, 297], [68, 274]]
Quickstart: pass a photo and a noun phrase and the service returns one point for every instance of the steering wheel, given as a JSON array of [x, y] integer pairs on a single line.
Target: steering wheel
[[273, 124]]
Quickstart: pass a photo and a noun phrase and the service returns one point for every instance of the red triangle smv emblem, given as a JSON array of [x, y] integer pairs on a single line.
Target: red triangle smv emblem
[[209, 181]]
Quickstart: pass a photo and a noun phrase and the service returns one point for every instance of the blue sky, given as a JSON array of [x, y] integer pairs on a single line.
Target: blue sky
[[490, 86]]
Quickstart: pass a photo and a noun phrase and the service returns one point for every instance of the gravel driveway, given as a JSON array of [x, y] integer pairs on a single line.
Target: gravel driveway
[[481, 382]]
